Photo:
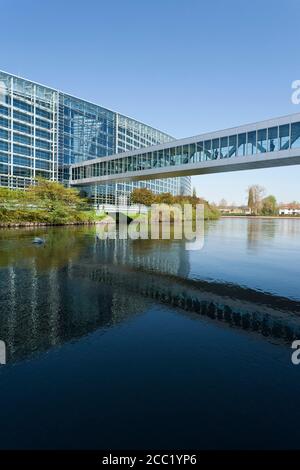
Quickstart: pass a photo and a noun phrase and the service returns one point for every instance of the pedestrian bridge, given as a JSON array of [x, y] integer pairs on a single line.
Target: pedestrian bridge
[[270, 143]]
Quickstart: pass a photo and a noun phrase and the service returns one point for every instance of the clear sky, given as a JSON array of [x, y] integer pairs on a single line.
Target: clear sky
[[185, 67]]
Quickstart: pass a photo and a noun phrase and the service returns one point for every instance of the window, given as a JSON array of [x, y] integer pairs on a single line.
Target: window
[[4, 169], [273, 139], [42, 154], [3, 157], [43, 144], [251, 144], [18, 171], [232, 146], [42, 165], [42, 173], [4, 146], [262, 140], [22, 128], [4, 134], [295, 134], [43, 134], [22, 139], [22, 161], [207, 149], [241, 145], [3, 122], [192, 152], [41, 112], [215, 148], [284, 137], [224, 147], [22, 105], [22, 150], [42, 123], [172, 156], [178, 157], [185, 153], [3, 110], [22, 117]]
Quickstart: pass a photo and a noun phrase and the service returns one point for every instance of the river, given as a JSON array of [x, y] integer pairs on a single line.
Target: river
[[125, 344]]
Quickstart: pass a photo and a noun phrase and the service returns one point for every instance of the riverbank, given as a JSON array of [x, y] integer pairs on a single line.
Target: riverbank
[[45, 224]]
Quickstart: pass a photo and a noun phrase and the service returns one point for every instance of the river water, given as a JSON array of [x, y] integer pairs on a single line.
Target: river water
[[126, 344]]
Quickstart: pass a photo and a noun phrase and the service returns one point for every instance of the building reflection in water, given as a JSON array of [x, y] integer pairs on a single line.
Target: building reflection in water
[[76, 285]]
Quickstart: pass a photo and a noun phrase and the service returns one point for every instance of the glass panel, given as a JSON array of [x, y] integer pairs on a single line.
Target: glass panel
[[207, 150], [295, 134], [185, 154], [199, 152], [251, 143], [178, 155], [160, 158], [241, 145], [134, 163], [3, 122], [284, 137], [224, 147], [215, 148], [273, 139], [149, 160], [192, 152], [262, 141], [232, 146], [172, 155], [166, 157]]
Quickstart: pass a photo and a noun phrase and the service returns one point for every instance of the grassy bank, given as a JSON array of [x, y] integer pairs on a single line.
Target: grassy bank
[[46, 203]]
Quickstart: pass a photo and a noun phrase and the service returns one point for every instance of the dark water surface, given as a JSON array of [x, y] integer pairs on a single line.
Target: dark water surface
[[143, 344]]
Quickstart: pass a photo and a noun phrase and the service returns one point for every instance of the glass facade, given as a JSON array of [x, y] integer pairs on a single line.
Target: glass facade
[[266, 140], [44, 131], [28, 132]]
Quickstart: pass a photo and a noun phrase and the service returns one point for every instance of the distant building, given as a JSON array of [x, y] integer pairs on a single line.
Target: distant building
[[235, 210], [289, 209]]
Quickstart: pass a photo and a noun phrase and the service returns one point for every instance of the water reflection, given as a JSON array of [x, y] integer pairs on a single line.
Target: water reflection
[[76, 284]]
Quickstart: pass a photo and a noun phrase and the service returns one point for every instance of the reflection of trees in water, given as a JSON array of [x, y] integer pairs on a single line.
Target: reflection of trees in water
[[61, 246], [260, 229], [66, 245]]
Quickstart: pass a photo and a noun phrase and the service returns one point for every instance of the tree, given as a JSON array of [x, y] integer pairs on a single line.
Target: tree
[[142, 196], [46, 202], [164, 198], [250, 199], [223, 203], [60, 203], [194, 192], [255, 194], [269, 205]]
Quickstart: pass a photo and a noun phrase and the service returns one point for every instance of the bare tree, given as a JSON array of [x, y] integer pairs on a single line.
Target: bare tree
[[255, 196], [223, 203]]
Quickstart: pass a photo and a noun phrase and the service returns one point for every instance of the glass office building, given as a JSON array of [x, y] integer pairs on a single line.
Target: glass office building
[[43, 131]]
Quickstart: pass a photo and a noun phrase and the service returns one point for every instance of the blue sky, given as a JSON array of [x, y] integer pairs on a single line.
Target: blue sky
[[183, 67]]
